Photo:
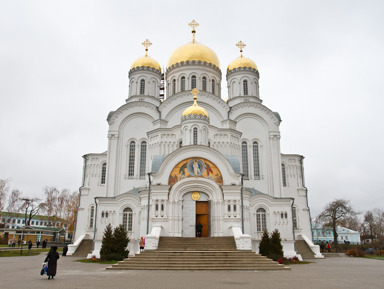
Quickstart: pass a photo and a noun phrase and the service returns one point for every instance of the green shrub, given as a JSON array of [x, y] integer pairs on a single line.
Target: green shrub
[[264, 246], [114, 244], [275, 244]]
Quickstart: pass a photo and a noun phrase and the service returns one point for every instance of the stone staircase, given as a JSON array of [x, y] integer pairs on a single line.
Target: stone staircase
[[217, 253], [303, 249], [84, 249]]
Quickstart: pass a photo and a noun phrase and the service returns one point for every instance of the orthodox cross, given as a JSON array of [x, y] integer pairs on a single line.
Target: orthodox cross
[[195, 92], [241, 45], [193, 24], [146, 44]]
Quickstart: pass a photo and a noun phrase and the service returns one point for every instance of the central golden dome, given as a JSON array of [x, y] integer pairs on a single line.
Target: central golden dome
[[194, 51], [195, 109]]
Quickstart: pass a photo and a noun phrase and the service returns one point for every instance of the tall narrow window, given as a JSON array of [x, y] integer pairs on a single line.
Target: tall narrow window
[[131, 162], [204, 86], [128, 219], [195, 136], [182, 84], [193, 82], [283, 175], [294, 218], [174, 86], [180, 144], [213, 86], [261, 220], [103, 172], [142, 86], [143, 158], [244, 159], [91, 216], [256, 165], [245, 87]]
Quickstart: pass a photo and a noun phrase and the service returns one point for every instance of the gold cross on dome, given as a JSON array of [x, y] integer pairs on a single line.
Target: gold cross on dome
[[193, 24], [146, 44], [195, 91], [241, 45]]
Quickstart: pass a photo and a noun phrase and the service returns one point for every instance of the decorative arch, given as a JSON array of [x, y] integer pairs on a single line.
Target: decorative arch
[[206, 186]]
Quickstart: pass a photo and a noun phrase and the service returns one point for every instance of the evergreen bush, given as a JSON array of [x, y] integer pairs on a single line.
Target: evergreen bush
[[276, 249], [114, 244], [264, 246]]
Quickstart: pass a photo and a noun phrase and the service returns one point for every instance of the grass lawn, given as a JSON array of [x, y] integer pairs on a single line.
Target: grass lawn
[[97, 261], [374, 257], [16, 252]]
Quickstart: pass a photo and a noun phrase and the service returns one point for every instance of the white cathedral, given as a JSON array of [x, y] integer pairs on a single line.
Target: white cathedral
[[179, 155]]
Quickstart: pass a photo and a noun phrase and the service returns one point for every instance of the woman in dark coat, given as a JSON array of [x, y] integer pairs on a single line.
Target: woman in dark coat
[[52, 262]]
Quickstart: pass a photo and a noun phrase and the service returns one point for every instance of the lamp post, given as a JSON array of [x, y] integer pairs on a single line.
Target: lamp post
[[149, 198]]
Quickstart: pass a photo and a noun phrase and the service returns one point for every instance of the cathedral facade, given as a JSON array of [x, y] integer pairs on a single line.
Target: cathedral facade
[[183, 162]]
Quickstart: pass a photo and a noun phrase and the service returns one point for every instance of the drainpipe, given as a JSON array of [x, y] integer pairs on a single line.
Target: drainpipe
[[293, 225], [78, 204], [149, 197], [242, 203], [94, 227], [306, 194]]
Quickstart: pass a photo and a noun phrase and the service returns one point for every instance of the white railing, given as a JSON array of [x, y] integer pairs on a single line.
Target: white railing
[[314, 248], [73, 247], [152, 239], [243, 241]]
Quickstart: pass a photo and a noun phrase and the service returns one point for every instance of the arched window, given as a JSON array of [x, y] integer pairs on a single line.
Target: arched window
[[103, 172], [283, 175], [142, 86], [261, 220], [204, 86], [131, 162], [174, 86], [128, 219], [245, 87], [182, 84], [256, 164], [143, 158], [195, 136], [244, 159], [193, 82], [213, 86], [180, 144], [91, 216]]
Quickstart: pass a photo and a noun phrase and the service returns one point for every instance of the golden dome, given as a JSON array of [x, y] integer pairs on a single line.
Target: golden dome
[[194, 51], [195, 109], [241, 62], [146, 61]]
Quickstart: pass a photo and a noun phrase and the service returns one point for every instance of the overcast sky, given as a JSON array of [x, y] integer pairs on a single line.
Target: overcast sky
[[64, 66]]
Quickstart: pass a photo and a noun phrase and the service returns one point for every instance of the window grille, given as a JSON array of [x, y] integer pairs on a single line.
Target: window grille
[[92, 217], [142, 86], [244, 158], [195, 136], [143, 158], [204, 84], [128, 219], [103, 172], [256, 163], [245, 87], [131, 163], [182, 84], [174, 86], [283, 175], [193, 82], [213, 86]]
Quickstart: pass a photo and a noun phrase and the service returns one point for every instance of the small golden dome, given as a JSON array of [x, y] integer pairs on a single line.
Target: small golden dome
[[194, 51], [146, 61], [195, 109], [241, 62]]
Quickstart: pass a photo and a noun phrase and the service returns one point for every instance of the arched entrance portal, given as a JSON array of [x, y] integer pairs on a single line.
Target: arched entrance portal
[[196, 214]]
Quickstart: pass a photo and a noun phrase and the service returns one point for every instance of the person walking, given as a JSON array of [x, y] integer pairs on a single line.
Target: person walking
[[52, 258], [329, 247], [65, 250], [29, 245], [199, 229]]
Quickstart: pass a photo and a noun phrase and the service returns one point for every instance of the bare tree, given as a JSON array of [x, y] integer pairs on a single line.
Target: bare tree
[[14, 201], [334, 214], [31, 207], [4, 189]]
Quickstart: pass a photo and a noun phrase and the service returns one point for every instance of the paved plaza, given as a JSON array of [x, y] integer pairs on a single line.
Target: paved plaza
[[331, 273]]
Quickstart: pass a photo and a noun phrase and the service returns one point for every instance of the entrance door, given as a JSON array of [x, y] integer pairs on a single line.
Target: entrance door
[[202, 216]]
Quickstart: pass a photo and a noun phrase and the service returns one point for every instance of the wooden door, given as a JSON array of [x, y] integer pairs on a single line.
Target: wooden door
[[202, 216]]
